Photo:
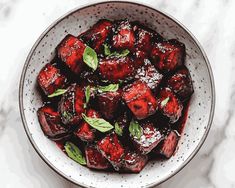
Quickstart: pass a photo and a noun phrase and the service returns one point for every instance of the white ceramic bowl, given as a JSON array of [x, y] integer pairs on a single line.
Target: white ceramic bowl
[[199, 116]]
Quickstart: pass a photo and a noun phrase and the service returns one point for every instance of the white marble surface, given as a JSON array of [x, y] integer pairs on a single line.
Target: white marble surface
[[211, 21]]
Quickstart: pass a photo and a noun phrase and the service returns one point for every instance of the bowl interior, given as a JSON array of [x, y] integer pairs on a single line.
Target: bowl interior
[[199, 115]]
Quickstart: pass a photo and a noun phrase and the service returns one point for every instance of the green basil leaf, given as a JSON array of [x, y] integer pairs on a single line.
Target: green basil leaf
[[165, 101], [135, 129], [74, 153], [118, 130], [90, 57], [57, 93], [67, 115], [87, 94], [123, 53], [98, 123], [110, 87], [107, 51]]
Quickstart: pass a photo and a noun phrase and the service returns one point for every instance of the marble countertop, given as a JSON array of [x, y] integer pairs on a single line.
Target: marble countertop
[[22, 21]]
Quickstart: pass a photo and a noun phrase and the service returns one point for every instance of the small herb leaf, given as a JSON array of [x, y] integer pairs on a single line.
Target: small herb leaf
[[123, 53], [74, 153], [107, 51], [57, 93], [165, 101], [110, 87], [118, 130], [90, 57], [67, 115], [87, 94], [98, 123], [135, 129]]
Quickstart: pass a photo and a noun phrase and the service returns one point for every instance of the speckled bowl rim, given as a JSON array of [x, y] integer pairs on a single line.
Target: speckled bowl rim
[[126, 2]]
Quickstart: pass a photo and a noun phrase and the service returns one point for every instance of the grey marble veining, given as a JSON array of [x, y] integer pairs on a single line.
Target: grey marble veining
[[22, 21]]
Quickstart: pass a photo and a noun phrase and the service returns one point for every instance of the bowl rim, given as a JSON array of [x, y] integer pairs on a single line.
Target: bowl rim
[[22, 78]]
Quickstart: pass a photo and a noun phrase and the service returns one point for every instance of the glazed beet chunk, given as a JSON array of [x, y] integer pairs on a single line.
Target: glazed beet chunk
[[168, 146], [144, 39], [109, 103], [150, 138], [85, 132], [70, 51], [51, 123], [149, 75], [123, 37], [139, 58], [140, 99], [134, 162], [50, 79], [168, 55], [96, 36], [115, 69], [95, 159], [181, 83], [169, 105], [71, 105], [112, 150]]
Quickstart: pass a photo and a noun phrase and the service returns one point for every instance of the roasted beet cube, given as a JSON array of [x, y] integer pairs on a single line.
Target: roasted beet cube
[[181, 83], [95, 159], [149, 75], [134, 162], [96, 36], [169, 105], [109, 103], [150, 138], [139, 58], [71, 105], [115, 69], [112, 150], [51, 124], [143, 39], [123, 37], [85, 132], [70, 51], [168, 55], [50, 79], [168, 146], [140, 99]]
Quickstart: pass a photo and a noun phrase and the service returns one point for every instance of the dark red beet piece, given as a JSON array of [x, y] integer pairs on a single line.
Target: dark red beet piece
[[168, 146], [134, 162], [85, 132], [96, 36], [70, 51], [112, 150], [140, 99], [95, 159], [169, 105], [51, 124], [181, 83], [144, 39], [71, 105], [109, 103], [149, 139], [50, 79], [168, 55], [123, 37], [149, 75], [116, 69], [139, 58]]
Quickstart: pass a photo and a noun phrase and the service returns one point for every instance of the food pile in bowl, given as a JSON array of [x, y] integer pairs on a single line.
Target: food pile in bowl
[[116, 96]]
